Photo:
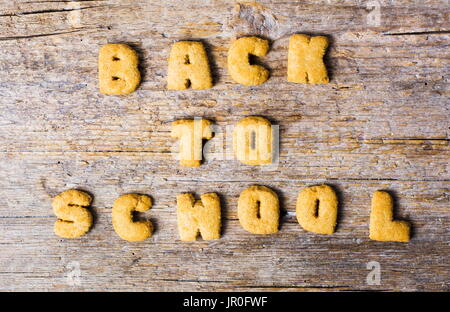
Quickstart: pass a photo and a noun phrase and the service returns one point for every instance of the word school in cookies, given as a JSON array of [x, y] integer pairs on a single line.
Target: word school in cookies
[[253, 144]]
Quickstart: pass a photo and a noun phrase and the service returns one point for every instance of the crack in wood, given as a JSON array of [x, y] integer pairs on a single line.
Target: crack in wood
[[299, 287], [308, 181], [418, 33], [39, 35], [50, 11], [191, 281], [86, 151], [65, 1]]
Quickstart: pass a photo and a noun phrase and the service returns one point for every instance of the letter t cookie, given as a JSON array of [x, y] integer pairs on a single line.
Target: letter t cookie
[[191, 134]]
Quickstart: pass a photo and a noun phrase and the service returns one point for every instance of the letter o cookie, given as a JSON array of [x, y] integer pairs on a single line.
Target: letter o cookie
[[317, 208], [259, 210], [253, 141]]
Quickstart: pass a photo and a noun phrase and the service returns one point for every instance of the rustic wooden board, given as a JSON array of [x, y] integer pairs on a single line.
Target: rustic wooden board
[[382, 123]]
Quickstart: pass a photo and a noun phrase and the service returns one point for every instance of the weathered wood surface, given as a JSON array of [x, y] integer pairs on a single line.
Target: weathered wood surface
[[382, 123]]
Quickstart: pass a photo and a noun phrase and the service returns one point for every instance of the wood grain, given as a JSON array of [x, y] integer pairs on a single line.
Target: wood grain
[[381, 124]]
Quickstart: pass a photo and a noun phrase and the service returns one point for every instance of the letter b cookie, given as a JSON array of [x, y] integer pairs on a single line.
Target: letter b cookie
[[118, 71]]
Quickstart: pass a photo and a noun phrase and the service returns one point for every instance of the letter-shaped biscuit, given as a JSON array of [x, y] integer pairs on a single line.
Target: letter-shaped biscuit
[[317, 209], [191, 134], [188, 66], [118, 71], [122, 217], [382, 224], [305, 59], [201, 216], [74, 219], [259, 210], [239, 65], [253, 141]]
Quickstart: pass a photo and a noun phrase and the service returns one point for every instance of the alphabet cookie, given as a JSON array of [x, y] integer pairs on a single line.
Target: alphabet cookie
[[201, 216], [118, 71], [122, 217], [317, 208], [383, 227], [191, 134], [259, 210], [188, 67], [305, 59], [70, 208], [239, 65], [253, 141]]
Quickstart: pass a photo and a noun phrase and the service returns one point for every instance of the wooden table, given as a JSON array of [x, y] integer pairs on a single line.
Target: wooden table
[[381, 124]]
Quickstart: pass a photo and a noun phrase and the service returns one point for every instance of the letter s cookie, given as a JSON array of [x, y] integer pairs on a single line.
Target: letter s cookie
[[74, 219]]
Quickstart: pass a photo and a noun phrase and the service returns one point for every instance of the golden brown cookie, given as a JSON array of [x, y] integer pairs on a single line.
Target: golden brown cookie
[[253, 141], [317, 208], [239, 65], [383, 227], [259, 210], [118, 71], [74, 219], [305, 59], [122, 217], [188, 67], [191, 134], [201, 216]]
